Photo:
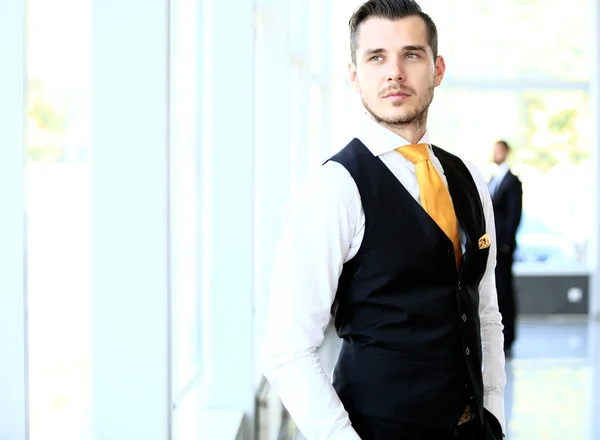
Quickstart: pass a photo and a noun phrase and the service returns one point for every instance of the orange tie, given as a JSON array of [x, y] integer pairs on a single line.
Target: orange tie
[[435, 198]]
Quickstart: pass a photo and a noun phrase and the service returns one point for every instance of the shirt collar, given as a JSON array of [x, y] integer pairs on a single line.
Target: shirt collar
[[380, 140], [502, 170]]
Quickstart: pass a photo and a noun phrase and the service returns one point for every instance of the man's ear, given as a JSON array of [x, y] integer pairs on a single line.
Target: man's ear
[[353, 76], [440, 70]]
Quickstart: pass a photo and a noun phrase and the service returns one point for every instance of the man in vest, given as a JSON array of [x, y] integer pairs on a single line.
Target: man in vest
[[393, 237]]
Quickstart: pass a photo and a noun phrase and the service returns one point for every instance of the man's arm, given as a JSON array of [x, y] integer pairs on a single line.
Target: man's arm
[[515, 208], [308, 262], [492, 339]]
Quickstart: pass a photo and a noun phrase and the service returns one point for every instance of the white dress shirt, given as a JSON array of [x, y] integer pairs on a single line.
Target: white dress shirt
[[324, 229], [499, 175]]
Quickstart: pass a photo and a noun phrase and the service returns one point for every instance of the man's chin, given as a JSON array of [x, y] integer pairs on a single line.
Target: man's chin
[[395, 118], [391, 115]]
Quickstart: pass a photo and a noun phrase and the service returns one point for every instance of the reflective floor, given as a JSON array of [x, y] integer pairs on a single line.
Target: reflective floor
[[553, 390]]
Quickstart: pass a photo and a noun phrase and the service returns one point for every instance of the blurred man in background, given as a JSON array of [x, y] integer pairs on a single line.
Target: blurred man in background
[[507, 198]]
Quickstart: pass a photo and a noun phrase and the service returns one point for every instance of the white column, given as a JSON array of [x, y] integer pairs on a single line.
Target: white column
[[300, 87], [130, 184], [185, 196], [227, 210], [13, 301], [273, 158], [326, 75]]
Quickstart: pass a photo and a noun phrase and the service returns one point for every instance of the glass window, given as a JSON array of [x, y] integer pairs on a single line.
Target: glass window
[[535, 39], [315, 36], [59, 218], [316, 138]]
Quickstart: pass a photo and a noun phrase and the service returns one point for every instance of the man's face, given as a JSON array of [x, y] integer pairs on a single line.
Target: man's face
[[395, 73], [500, 153]]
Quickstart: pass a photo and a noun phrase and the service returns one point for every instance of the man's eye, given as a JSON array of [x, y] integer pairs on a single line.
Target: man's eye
[[411, 55], [376, 58]]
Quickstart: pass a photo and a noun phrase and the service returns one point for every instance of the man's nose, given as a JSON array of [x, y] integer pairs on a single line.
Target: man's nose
[[395, 72]]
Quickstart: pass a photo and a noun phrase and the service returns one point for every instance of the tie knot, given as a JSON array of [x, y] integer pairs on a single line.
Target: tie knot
[[415, 153]]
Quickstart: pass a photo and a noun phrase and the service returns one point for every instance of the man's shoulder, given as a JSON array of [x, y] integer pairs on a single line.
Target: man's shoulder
[[351, 150], [514, 177], [327, 184]]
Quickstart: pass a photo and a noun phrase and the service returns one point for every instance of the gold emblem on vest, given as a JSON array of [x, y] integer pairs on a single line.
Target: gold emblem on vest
[[484, 241]]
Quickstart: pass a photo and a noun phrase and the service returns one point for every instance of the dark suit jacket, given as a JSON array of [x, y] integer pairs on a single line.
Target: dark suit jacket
[[508, 207]]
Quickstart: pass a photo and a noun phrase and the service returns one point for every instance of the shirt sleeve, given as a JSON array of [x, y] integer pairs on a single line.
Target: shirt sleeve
[[315, 242], [492, 339]]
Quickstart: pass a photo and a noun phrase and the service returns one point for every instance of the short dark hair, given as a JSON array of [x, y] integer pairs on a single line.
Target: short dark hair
[[392, 10], [504, 144]]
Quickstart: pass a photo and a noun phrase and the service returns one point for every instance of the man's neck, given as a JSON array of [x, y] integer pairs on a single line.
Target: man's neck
[[411, 134]]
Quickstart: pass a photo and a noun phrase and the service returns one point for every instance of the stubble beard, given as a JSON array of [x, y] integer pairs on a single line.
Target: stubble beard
[[416, 120]]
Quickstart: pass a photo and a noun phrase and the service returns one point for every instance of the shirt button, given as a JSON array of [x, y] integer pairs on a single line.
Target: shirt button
[[451, 252], [467, 351], [459, 285], [464, 318]]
